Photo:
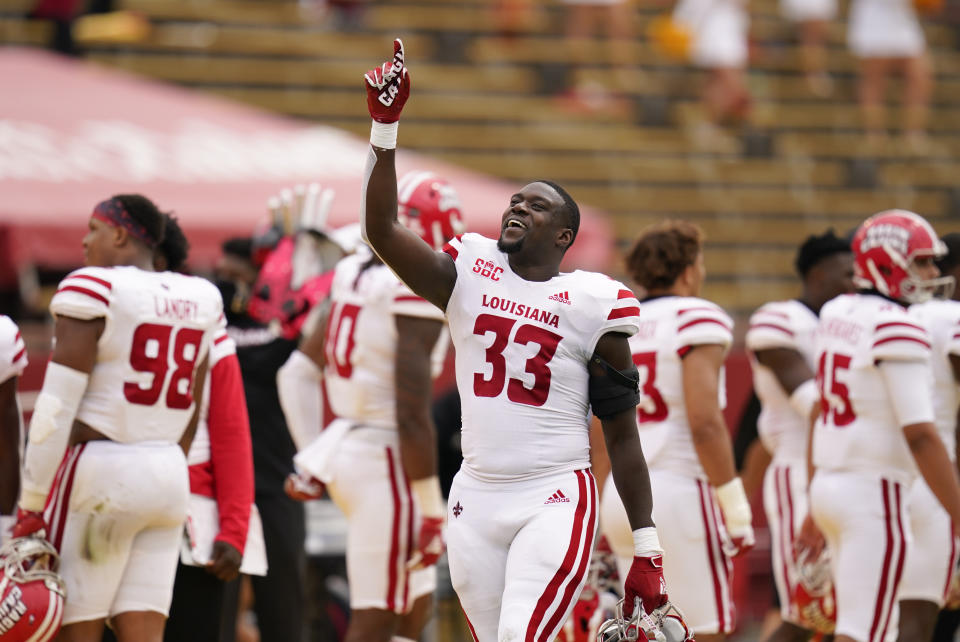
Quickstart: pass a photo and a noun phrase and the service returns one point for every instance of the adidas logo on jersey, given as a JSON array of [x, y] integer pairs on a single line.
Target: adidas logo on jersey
[[562, 297], [557, 498]]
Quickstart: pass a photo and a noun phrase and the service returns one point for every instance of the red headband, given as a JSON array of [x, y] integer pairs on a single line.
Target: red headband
[[113, 213]]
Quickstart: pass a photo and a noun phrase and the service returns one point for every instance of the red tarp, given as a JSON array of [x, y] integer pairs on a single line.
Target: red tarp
[[72, 134]]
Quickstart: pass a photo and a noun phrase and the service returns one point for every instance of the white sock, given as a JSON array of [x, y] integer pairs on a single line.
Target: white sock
[[397, 638]]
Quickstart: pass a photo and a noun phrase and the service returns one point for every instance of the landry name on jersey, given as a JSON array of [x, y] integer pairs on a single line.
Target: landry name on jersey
[[790, 325], [361, 341], [522, 349], [158, 327], [858, 429], [670, 327]]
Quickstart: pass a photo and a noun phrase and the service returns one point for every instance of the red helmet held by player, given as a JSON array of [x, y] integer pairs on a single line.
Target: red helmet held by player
[[31, 592], [885, 248], [814, 595], [429, 206]]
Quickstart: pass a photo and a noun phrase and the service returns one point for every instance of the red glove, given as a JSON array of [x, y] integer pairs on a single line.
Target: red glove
[[429, 544], [29, 523], [644, 580], [303, 488], [388, 87]]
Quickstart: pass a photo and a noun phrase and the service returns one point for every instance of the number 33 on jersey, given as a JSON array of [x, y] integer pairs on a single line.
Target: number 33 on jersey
[[522, 349]]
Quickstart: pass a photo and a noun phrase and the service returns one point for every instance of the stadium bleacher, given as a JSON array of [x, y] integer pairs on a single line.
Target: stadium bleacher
[[488, 102]]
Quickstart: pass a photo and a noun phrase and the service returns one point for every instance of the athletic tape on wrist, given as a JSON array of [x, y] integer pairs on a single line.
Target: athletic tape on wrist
[[646, 543], [803, 398], [734, 505], [384, 135], [49, 433]]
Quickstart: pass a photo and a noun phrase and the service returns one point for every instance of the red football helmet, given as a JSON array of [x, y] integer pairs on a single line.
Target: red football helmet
[[814, 595], [430, 207], [31, 592], [885, 247]]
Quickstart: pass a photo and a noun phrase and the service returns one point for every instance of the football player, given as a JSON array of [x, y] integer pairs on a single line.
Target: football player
[[105, 477], [679, 350], [876, 423], [933, 554], [780, 343], [13, 359], [377, 352], [535, 350]]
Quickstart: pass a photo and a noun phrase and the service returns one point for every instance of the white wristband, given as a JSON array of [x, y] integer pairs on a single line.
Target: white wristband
[[803, 398], [6, 525], [428, 496], [646, 543], [734, 505], [384, 135]]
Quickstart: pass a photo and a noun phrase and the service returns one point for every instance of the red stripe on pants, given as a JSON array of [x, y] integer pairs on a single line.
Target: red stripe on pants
[[473, 633], [565, 567], [585, 550], [58, 518], [898, 574], [392, 561], [953, 561], [785, 522], [410, 542], [879, 622], [714, 552]]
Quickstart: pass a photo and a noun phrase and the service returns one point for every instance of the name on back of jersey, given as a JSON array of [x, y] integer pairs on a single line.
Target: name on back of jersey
[[840, 329], [179, 309], [522, 310]]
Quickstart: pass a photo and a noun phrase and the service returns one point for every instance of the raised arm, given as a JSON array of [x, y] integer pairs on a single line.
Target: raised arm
[[429, 273]]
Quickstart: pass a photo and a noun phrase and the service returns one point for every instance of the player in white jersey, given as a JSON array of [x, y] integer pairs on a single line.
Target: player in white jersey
[[875, 427], [13, 359], [933, 554], [118, 397], [780, 343], [536, 349], [379, 350], [680, 350]]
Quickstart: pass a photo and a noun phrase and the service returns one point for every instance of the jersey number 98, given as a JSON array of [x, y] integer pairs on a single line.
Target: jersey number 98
[[153, 351]]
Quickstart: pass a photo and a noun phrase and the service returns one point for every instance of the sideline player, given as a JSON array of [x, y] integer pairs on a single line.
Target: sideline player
[[117, 399], [679, 350], [13, 360], [933, 553], [780, 343], [535, 349], [875, 427], [382, 346]]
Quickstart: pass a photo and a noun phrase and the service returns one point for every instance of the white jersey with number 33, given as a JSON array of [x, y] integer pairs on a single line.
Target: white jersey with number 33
[[361, 340], [670, 327], [522, 351], [858, 428], [158, 328]]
